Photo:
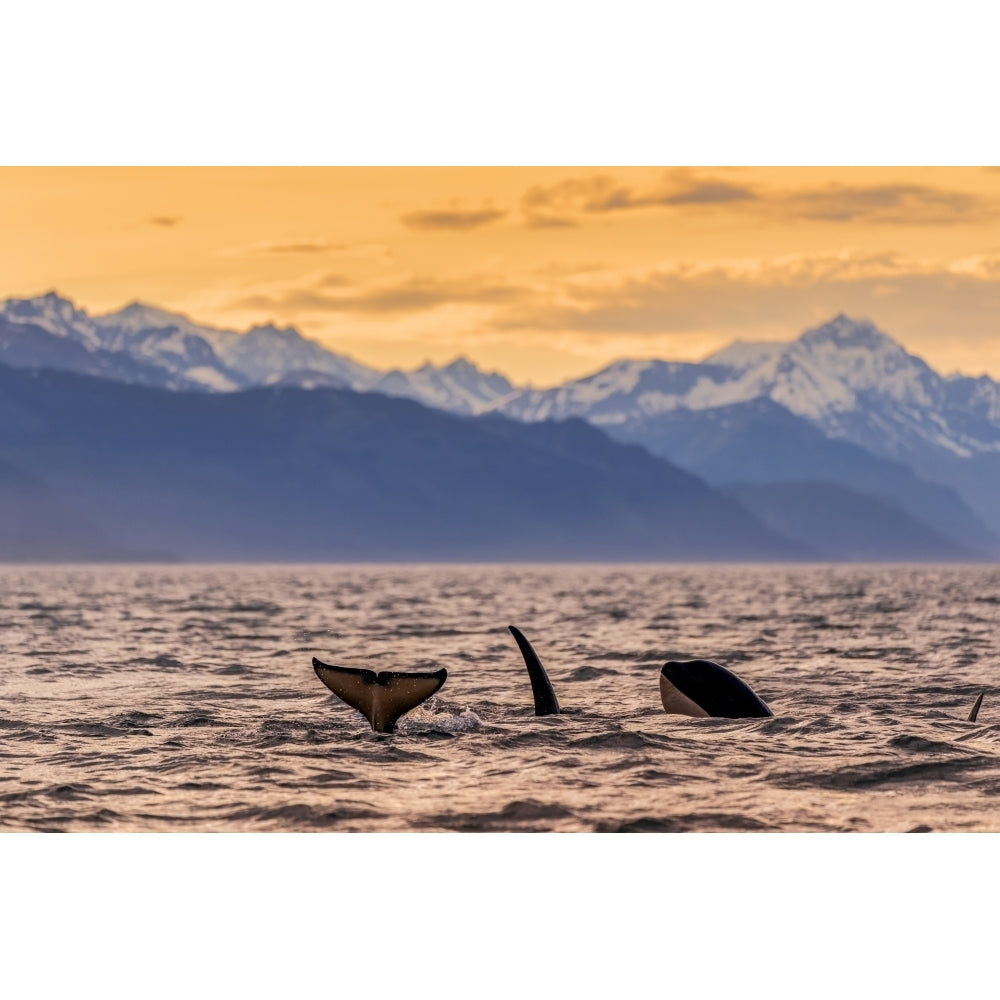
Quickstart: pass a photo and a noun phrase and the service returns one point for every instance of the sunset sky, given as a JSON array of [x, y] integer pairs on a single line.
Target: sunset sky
[[541, 273]]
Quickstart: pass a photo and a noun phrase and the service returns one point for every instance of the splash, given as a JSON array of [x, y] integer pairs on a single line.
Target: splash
[[434, 717]]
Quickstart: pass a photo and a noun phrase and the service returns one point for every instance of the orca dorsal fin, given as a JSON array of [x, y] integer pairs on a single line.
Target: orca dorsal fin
[[975, 708], [382, 698], [541, 688]]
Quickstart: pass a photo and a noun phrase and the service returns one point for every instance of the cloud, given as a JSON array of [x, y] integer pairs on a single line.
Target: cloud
[[301, 246], [308, 245], [560, 204], [454, 219], [767, 296], [568, 202], [543, 221], [983, 266], [407, 295], [897, 204], [938, 308], [682, 295], [563, 203], [709, 192], [165, 221]]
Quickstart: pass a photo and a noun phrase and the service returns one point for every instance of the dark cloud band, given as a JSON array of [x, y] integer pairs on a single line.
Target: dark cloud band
[[452, 219]]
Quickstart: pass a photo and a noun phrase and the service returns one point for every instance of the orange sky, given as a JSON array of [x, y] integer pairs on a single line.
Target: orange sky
[[542, 273]]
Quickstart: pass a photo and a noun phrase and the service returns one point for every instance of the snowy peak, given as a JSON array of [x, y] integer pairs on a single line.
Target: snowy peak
[[487, 386], [185, 354], [172, 350], [268, 354], [54, 314], [138, 316], [742, 355], [171, 341], [844, 332], [267, 332], [856, 357], [459, 386], [857, 352], [622, 391], [845, 376], [460, 369]]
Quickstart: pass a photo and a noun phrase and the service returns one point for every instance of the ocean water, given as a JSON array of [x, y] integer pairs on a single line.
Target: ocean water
[[183, 699]]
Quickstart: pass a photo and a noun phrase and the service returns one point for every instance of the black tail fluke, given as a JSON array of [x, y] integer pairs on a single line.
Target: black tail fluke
[[381, 698], [975, 708], [541, 688]]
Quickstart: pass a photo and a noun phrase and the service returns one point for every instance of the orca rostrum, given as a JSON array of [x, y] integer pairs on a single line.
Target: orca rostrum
[[703, 689], [382, 698], [541, 688]]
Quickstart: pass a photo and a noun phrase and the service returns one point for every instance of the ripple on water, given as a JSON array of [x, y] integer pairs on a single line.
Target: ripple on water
[[184, 698]]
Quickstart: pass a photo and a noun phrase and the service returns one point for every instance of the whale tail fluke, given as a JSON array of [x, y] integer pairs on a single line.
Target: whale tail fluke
[[541, 688], [382, 698], [975, 708]]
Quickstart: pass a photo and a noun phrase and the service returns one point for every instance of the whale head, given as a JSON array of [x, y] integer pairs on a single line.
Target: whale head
[[702, 689]]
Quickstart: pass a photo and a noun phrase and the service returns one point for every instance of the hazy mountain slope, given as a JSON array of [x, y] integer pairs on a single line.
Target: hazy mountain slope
[[35, 526], [289, 474], [976, 479], [843, 525], [761, 442]]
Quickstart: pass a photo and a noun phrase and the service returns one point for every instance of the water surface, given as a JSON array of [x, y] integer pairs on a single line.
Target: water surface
[[183, 699]]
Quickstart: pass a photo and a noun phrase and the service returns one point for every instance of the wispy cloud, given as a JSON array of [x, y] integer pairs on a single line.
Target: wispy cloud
[[759, 294], [677, 309], [301, 247], [563, 203], [308, 245], [165, 221], [568, 202], [896, 204], [676, 295], [452, 218], [986, 267], [405, 295]]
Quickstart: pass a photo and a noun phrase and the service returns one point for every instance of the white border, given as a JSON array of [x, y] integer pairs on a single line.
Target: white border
[[448, 82]]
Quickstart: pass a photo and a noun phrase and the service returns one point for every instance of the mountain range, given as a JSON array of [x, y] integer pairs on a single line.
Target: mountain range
[[143, 345], [290, 474], [843, 425]]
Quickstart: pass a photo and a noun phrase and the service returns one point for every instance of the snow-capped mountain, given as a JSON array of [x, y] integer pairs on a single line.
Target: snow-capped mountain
[[459, 387], [844, 405], [846, 377], [223, 359], [271, 355], [150, 346], [49, 332], [146, 346], [55, 315]]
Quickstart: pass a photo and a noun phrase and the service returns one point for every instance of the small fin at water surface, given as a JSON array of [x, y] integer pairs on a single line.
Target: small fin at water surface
[[382, 698], [975, 708], [541, 688]]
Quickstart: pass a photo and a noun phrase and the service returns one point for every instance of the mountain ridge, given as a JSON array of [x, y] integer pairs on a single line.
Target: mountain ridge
[[846, 378], [287, 474]]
